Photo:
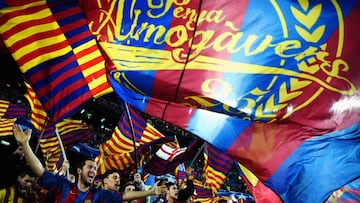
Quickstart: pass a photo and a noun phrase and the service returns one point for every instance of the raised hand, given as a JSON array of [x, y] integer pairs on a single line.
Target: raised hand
[[22, 137]]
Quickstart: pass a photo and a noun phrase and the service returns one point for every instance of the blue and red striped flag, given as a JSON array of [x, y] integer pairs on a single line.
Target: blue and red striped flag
[[56, 53], [10, 110], [216, 167], [203, 194], [277, 89], [74, 131], [70, 131]]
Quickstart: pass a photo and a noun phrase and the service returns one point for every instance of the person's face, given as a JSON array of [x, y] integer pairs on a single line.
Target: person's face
[[129, 188], [87, 173], [137, 177], [173, 191], [112, 182], [26, 182]]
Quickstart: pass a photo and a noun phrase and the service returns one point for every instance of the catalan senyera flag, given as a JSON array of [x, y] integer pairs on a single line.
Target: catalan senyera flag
[[51, 43], [216, 167], [123, 161], [118, 152], [10, 110], [38, 116], [6, 126], [274, 84], [121, 140]]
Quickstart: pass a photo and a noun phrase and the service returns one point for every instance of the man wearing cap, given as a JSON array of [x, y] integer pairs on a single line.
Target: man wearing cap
[[81, 190]]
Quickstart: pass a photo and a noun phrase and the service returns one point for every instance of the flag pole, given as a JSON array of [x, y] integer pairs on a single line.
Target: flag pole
[[41, 136], [197, 154], [132, 133], [193, 160], [62, 151]]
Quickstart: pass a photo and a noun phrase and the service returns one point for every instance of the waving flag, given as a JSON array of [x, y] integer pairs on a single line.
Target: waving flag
[[38, 116], [259, 191], [162, 163], [168, 154], [125, 161], [56, 53], [74, 131], [118, 152], [71, 133], [6, 126], [216, 168], [116, 161], [9, 110], [203, 194], [121, 140], [267, 86]]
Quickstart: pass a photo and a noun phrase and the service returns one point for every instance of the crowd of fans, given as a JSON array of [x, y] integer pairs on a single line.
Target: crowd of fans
[[18, 181], [34, 184]]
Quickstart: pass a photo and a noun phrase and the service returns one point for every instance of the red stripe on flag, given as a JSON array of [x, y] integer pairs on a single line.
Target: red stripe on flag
[[25, 25], [67, 12], [55, 83], [26, 11], [91, 49], [42, 50], [32, 38], [100, 88], [78, 37], [70, 105]]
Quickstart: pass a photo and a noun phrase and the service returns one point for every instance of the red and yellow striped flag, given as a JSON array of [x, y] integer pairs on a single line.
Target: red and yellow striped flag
[[38, 115], [6, 126]]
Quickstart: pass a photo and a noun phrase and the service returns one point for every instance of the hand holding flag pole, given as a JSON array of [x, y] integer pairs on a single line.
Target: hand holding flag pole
[[62, 151], [193, 160]]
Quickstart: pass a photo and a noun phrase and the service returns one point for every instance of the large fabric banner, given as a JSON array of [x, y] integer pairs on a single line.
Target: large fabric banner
[[272, 83]]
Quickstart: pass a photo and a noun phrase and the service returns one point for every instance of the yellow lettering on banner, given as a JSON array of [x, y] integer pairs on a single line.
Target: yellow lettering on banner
[[154, 8], [284, 46], [187, 47], [217, 87], [179, 33], [149, 30]]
